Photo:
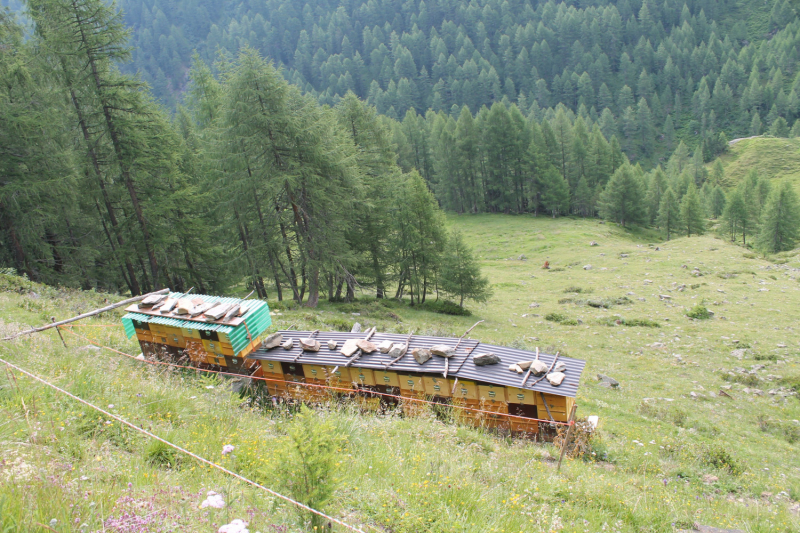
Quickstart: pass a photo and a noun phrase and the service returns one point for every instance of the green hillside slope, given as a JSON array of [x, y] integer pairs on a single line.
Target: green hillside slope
[[770, 157], [673, 450]]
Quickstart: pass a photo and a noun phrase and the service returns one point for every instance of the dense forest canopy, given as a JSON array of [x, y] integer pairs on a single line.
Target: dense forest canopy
[[691, 68], [330, 175], [252, 181]]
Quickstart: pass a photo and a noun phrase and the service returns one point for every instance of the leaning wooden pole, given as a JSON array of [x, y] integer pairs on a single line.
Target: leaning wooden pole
[[85, 315], [567, 436]]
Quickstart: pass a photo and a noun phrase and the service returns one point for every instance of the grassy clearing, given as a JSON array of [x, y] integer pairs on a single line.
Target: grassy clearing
[[771, 157], [666, 458]]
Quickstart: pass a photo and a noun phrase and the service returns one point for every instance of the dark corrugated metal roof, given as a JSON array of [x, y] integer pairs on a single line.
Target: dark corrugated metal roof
[[498, 374]]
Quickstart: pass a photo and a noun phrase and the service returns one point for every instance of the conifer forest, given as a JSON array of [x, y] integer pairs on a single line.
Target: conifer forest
[[313, 149]]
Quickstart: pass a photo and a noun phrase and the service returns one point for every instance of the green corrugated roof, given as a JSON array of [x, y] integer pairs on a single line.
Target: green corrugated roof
[[257, 319]]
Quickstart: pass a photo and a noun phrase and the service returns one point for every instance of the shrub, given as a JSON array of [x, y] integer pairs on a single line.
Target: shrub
[[309, 466], [719, 457], [446, 307], [699, 312], [577, 290], [751, 380], [631, 322], [561, 319]]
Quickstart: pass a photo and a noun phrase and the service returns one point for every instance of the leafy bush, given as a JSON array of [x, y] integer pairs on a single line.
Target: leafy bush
[[561, 319], [719, 457], [631, 322], [699, 312], [751, 380], [446, 307], [577, 290]]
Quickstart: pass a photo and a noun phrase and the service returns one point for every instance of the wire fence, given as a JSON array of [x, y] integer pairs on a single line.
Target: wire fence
[[181, 449]]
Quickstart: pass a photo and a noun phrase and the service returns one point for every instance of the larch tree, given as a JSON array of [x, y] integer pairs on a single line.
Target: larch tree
[[780, 225], [669, 213], [692, 213], [623, 198], [460, 275]]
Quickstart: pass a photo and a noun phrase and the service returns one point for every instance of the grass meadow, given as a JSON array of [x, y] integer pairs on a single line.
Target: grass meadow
[[671, 449]]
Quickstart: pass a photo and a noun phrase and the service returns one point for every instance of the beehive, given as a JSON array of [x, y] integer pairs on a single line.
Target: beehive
[[200, 340]]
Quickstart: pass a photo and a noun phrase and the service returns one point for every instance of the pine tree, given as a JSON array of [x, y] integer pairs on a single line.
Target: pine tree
[[692, 215], [736, 214], [780, 225], [669, 215], [717, 203], [623, 198], [460, 275]]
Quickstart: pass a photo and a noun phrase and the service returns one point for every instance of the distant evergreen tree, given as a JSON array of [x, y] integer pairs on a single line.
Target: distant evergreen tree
[[717, 203], [780, 225], [623, 198], [461, 276], [736, 215], [692, 216], [779, 128], [669, 216]]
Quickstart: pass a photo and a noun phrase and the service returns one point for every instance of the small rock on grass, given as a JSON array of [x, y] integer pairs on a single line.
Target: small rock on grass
[[485, 359], [607, 381], [356, 328]]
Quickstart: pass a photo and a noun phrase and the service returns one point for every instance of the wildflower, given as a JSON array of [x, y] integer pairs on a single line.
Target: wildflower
[[228, 448], [237, 526], [214, 500]]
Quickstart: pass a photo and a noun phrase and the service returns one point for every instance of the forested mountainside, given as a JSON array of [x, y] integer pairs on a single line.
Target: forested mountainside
[[697, 67], [254, 181]]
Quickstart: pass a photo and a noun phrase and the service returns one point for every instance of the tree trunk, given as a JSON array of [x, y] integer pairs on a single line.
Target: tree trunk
[[118, 150]]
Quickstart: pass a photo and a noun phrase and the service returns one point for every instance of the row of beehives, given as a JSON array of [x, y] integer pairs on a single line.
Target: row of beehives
[[199, 346], [496, 401], [283, 378]]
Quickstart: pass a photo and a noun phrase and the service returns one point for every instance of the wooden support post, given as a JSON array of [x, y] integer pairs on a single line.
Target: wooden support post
[[85, 315], [53, 319], [567, 436]]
